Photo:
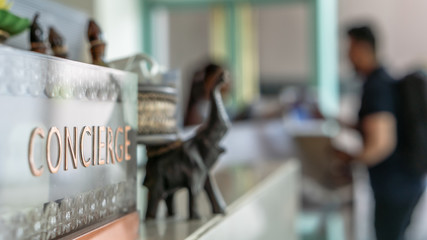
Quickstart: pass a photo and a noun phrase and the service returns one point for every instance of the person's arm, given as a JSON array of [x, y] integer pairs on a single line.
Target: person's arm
[[379, 138], [345, 124]]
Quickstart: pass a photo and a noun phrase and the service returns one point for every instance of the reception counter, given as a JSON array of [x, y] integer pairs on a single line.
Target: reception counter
[[262, 200]]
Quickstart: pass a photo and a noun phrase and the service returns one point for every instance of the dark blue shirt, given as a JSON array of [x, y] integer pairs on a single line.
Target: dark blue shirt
[[391, 178]]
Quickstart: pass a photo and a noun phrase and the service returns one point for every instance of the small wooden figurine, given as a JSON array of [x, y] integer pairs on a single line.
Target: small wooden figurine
[[186, 164], [97, 44], [57, 43], [36, 37]]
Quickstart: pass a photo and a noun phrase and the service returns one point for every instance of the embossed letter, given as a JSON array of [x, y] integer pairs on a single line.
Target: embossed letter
[[36, 172], [85, 130], [53, 130], [118, 158]]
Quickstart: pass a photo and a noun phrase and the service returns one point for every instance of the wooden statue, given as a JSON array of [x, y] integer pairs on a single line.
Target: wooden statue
[[57, 43], [186, 164], [36, 37], [97, 44]]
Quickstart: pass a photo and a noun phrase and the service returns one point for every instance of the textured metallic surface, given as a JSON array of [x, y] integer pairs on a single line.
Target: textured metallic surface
[[58, 96], [61, 217], [157, 110], [157, 89], [30, 75]]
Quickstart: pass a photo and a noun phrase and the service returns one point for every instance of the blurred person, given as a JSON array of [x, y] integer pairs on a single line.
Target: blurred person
[[202, 83], [396, 189]]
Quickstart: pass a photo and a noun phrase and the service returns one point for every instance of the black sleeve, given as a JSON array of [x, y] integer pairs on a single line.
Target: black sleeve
[[377, 97]]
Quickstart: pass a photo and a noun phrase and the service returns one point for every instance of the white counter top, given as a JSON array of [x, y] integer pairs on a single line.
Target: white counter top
[[262, 203]]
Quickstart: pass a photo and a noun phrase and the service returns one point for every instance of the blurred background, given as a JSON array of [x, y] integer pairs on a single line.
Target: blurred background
[[268, 46], [288, 68]]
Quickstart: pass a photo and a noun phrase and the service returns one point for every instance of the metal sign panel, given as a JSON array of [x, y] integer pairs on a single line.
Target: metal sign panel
[[67, 145]]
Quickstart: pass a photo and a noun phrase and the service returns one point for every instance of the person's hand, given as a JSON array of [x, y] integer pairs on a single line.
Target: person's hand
[[343, 156], [345, 124], [340, 165]]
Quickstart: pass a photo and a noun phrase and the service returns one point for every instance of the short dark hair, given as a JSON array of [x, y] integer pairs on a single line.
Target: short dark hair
[[364, 34]]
